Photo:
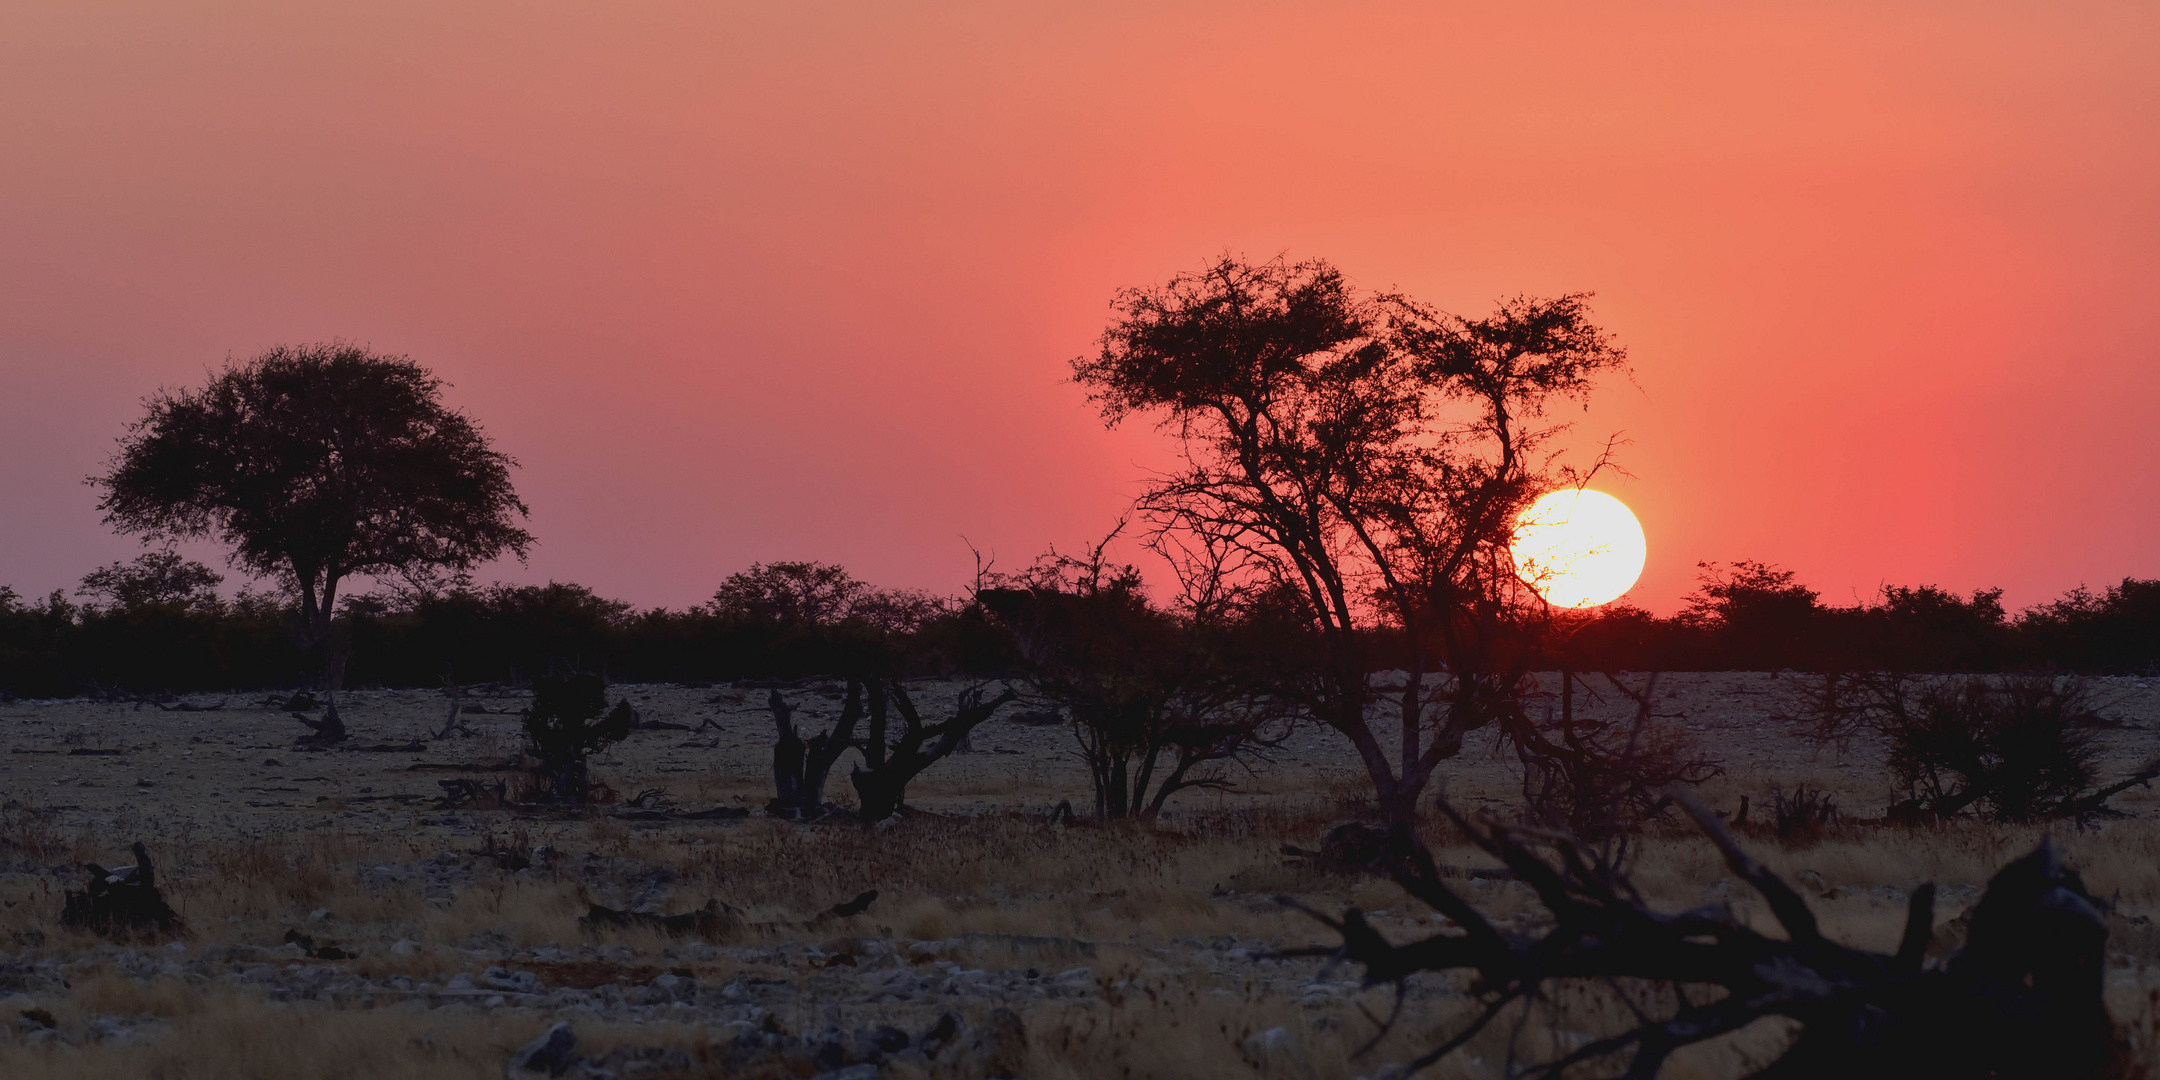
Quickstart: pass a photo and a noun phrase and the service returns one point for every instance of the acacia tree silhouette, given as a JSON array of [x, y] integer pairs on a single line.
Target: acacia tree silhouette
[[1369, 454], [315, 463]]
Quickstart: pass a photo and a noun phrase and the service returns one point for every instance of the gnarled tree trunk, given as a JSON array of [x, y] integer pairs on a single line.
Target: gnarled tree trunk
[[883, 788]]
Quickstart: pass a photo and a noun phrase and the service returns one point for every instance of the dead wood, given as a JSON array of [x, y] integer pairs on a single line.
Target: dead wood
[[473, 794], [455, 721], [801, 768], [307, 945], [457, 766], [329, 729], [857, 906], [781, 684], [413, 747], [2021, 999], [708, 922], [787, 757], [119, 902], [882, 787], [189, 707], [717, 813]]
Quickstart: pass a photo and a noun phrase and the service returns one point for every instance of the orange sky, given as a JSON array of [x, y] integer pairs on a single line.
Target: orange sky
[[754, 282]]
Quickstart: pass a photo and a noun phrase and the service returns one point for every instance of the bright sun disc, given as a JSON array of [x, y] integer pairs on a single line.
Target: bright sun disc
[[1579, 548]]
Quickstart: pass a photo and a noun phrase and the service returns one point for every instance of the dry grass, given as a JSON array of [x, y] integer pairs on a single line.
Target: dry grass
[[1163, 918]]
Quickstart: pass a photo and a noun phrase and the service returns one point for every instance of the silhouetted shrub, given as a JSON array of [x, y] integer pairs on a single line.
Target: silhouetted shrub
[[1159, 698], [2014, 748], [568, 720], [1802, 815], [1601, 778]]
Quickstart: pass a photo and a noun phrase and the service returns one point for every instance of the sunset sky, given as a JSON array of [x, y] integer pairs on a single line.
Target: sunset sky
[[741, 282]]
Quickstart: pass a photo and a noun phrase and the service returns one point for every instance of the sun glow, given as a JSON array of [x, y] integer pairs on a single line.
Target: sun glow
[[1579, 548]]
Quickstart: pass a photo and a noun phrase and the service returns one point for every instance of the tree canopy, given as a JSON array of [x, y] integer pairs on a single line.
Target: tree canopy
[[154, 579], [315, 463], [1367, 453], [815, 595]]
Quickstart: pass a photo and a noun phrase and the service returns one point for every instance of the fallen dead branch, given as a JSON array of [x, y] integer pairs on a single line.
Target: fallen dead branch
[[473, 793], [717, 813], [2021, 999], [307, 945], [708, 922]]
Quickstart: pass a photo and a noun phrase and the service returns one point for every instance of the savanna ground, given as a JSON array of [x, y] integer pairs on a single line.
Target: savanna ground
[[1129, 951]]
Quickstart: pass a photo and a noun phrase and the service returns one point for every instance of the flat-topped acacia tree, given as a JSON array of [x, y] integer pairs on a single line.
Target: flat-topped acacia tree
[[1368, 455], [315, 463]]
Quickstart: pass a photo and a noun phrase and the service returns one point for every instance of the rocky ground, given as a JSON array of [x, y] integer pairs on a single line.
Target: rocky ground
[[341, 921]]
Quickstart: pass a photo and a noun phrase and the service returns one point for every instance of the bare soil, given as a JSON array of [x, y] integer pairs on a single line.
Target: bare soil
[[438, 940]]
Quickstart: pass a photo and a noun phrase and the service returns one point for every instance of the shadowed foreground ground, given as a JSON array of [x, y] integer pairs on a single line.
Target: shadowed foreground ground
[[1137, 951]]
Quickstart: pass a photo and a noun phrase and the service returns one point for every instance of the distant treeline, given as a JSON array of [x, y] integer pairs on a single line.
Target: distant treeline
[[158, 625], [1747, 616]]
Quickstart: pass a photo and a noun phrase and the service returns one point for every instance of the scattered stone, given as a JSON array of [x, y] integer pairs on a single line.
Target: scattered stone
[[548, 1055], [1278, 1050], [997, 1047]]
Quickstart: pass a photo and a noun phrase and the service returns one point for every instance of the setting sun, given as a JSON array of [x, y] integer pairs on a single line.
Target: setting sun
[[1579, 548]]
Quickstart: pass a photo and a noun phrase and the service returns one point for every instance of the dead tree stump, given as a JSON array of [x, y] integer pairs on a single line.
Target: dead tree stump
[[121, 902], [329, 729]]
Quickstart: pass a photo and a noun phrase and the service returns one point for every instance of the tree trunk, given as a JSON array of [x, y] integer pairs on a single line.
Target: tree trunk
[[1118, 798], [824, 752], [874, 747], [787, 757], [883, 790]]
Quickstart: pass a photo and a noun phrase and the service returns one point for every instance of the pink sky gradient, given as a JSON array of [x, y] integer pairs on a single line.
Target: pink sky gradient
[[756, 282]]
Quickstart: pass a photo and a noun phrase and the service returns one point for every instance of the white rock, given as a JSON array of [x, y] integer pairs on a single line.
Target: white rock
[[548, 1055]]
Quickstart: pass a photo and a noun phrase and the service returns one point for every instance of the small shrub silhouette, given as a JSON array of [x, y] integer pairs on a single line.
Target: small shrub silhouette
[[2013, 748], [569, 720], [1802, 815]]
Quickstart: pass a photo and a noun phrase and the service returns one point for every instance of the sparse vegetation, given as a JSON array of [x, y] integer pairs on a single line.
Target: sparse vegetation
[[2015, 748], [1803, 814], [569, 720], [1596, 778], [1169, 924], [1339, 529], [2021, 999], [1160, 701]]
